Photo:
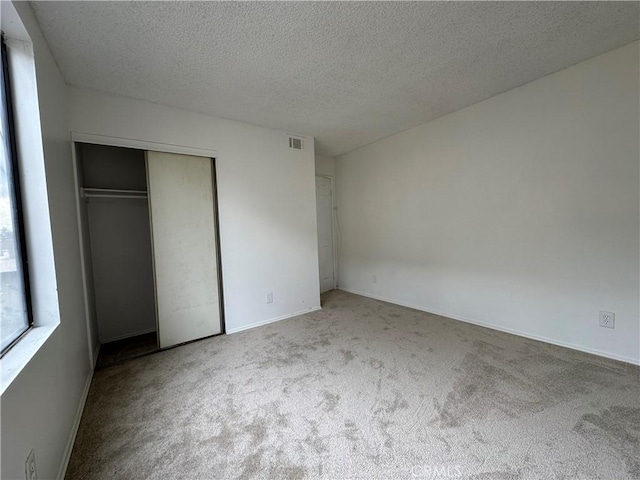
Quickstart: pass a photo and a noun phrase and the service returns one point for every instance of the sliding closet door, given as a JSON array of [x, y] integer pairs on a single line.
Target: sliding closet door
[[181, 202]]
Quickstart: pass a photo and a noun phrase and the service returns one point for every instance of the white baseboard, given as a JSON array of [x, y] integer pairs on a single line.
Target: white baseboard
[[600, 353], [127, 335], [271, 320], [74, 429]]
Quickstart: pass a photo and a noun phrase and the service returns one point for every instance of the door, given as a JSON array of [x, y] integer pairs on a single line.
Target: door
[[324, 209], [183, 227]]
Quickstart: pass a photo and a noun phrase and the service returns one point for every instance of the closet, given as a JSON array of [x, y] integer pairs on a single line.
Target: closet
[[149, 238]]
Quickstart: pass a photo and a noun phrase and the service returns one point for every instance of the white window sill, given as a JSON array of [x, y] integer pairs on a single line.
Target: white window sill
[[22, 352]]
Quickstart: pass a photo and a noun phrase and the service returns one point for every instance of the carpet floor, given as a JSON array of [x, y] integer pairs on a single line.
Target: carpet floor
[[125, 349], [362, 389]]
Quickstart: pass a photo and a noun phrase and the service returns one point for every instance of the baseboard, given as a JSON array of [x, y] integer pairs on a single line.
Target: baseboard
[[127, 335], [96, 355], [500, 328], [271, 320], [74, 429]]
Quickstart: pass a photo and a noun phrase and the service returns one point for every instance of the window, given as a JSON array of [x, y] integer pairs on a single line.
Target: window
[[15, 307]]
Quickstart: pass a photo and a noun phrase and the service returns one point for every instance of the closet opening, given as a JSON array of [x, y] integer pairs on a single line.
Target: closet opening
[[118, 250], [149, 240]]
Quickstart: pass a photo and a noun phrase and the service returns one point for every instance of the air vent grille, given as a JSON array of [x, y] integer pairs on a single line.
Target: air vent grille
[[295, 143]]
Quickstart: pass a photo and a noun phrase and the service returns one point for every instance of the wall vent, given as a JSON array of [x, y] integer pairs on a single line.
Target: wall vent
[[296, 143]]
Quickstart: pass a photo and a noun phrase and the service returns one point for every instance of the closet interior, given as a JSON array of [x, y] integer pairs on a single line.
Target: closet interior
[[118, 250], [149, 234]]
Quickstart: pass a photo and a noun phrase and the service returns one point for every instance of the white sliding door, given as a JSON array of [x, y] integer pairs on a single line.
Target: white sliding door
[[181, 203]]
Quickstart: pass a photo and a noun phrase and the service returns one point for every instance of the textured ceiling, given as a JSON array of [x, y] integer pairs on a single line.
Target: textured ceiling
[[348, 73]]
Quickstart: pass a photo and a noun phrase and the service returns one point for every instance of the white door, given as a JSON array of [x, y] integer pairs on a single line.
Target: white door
[[183, 227], [324, 208]]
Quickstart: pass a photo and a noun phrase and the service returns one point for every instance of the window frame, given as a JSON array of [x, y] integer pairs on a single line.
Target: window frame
[[16, 192]]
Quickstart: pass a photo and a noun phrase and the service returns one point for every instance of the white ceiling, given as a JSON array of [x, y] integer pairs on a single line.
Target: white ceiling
[[348, 73]]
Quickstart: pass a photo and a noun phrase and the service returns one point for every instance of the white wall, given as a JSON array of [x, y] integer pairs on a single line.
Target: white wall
[[325, 166], [40, 407], [520, 212], [122, 268], [266, 194]]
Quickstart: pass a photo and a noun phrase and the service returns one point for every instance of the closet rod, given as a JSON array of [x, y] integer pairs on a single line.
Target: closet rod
[[112, 190], [112, 193], [100, 195]]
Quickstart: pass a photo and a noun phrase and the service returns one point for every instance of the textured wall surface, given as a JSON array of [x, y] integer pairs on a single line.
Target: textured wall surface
[[521, 212], [347, 73]]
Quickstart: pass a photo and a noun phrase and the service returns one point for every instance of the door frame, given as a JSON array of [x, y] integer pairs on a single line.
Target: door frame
[[80, 137], [334, 228]]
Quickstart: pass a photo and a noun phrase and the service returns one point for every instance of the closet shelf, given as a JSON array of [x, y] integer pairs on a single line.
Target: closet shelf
[[112, 193]]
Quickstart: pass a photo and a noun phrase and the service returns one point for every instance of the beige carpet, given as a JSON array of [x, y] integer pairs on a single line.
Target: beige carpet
[[125, 349], [362, 389]]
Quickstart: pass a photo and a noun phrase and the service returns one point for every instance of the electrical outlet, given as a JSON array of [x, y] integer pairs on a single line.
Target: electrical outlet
[[374, 279], [608, 319], [30, 466], [270, 297]]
